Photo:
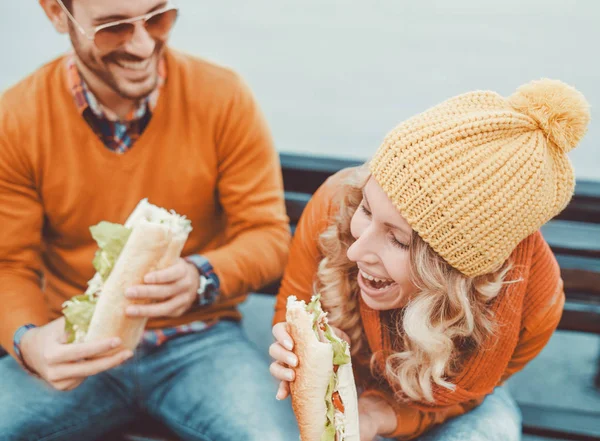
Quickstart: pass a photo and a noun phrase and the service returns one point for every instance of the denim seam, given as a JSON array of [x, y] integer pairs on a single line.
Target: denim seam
[[185, 427], [89, 419]]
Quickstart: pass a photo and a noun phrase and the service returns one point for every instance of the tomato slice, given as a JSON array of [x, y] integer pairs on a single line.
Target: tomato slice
[[337, 402]]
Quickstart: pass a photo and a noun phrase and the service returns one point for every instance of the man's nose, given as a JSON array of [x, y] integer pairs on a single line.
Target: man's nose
[[142, 44]]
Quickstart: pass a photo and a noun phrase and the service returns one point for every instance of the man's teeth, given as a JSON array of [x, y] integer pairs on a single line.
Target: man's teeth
[[374, 279], [134, 65]]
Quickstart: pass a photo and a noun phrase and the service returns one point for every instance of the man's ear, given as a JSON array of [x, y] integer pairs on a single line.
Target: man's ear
[[57, 16]]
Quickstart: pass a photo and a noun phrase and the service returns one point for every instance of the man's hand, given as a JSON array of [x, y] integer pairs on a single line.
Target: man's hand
[[172, 290], [65, 366]]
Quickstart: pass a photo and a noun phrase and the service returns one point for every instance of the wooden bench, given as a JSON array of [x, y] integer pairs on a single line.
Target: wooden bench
[[575, 239]]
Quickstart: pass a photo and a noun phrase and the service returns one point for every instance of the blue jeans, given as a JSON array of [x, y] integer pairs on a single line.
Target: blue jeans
[[496, 419], [211, 386]]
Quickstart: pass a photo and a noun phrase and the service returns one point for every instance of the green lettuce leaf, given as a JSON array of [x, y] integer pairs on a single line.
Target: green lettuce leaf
[[111, 239], [339, 358], [78, 314], [339, 347], [314, 307], [329, 432]]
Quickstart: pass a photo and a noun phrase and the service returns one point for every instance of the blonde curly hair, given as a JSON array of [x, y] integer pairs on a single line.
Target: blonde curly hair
[[445, 321]]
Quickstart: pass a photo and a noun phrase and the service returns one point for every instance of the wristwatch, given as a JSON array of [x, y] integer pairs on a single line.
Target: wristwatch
[[206, 291], [208, 286]]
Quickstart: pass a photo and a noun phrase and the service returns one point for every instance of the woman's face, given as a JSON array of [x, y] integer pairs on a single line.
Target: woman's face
[[381, 250]]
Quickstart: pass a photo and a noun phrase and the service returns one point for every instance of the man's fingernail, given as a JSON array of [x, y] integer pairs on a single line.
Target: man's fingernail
[[292, 360], [288, 344], [127, 354], [148, 278], [115, 342], [289, 376], [131, 310], [278, 397], [130, 292]]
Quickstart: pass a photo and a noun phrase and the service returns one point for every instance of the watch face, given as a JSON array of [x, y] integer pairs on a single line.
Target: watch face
[[202, 286]]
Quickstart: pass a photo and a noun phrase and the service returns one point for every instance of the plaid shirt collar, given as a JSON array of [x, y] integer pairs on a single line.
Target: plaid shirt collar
[[85, 99], [117, 134]]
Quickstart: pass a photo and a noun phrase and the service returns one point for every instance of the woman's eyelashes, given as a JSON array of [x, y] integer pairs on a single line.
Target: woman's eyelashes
[[395, 242]]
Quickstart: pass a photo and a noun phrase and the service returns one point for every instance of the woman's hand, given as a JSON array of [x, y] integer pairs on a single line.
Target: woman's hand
[[285, 359], [368, 427], [376, 417]]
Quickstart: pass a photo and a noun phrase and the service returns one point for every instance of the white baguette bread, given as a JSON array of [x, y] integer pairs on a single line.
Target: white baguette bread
[[347, 390], [156, 241], [313, 375], [142, 253]]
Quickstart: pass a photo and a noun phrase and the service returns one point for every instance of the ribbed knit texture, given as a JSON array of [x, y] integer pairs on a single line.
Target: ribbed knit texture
[[478, 173]]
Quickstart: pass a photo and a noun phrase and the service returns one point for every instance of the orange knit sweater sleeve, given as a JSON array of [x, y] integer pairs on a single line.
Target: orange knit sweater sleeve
[[250, 191], [21, 221], [541, 318], [304, 256]]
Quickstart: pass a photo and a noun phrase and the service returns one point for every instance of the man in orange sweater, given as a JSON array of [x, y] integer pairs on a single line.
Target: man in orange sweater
[[84, 139]]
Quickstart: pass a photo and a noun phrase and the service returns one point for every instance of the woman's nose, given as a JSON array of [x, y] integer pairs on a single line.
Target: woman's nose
[[364, 248]]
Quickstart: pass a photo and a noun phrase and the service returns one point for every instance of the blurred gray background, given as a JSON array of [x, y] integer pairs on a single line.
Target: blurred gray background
[[333, 76]]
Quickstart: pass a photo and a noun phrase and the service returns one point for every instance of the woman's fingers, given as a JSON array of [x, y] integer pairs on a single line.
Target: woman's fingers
[[281, 372], [283, 391], [282, 355], [282, 335]]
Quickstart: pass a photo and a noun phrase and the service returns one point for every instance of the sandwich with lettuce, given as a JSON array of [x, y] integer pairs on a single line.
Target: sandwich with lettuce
[[152, 238], [323, 393]]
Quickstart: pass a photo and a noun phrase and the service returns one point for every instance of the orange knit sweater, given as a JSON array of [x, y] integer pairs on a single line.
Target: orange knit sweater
[[527, 312], [206, 154]]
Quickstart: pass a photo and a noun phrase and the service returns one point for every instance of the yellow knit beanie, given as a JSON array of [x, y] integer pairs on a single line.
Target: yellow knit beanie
[[478, 173]]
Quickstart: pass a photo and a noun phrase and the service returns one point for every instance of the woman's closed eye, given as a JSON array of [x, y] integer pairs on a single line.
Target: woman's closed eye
[[395, 242], [365, 210]]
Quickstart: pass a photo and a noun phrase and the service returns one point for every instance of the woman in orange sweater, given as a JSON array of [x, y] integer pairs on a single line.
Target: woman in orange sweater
[[429, 260]]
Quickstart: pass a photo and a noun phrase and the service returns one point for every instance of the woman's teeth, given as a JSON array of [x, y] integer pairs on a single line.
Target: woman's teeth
[[376, 282], [134, 65]]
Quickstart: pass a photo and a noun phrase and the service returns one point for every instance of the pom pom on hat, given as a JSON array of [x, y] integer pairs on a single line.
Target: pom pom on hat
[[561, 111]]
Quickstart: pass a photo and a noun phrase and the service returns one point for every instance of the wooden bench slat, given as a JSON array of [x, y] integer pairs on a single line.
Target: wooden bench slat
[[562, 423], [580, 282], [580, 317], [577, 262], [573, 238], [294, 204]]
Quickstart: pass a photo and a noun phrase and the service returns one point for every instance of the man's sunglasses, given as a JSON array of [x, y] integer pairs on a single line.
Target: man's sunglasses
[[110, 36]]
